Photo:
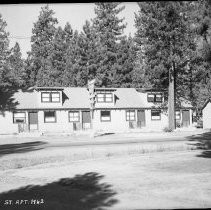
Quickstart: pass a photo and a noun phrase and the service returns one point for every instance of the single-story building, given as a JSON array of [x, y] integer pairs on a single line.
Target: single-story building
[[66, 109], [206, 114]]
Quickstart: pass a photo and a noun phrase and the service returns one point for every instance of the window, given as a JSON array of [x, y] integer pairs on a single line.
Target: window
[[130, 115], [50, 97], [158, 97], [104, 97], [74, 116], [55, 97], [154, 97], [19, 117], [150, 97], [49, 116], [177, 115], [105, 116], [155, 114]]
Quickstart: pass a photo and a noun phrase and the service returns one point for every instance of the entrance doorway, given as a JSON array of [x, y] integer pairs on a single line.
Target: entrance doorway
[[33, 121], [86, 120], [185, 118], [141, 122]]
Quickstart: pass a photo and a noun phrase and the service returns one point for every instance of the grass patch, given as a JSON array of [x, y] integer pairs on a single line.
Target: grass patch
[[17, 163]]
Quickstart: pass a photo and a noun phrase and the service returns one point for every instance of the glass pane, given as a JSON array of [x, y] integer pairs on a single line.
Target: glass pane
[[19, 120], [55, 95], [50, 119], [155, 117], [20, 114], [46, 99], [55, 99], [105, 118], [49, 114], [105, 113], [108, 97], [46, 95]]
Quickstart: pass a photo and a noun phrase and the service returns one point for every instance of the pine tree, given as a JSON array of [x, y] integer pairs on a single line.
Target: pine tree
[[42, 46], [71, 68], [202, 20], [123, 76], [109, 29], [17, 68], [4, 55], [163, 32]]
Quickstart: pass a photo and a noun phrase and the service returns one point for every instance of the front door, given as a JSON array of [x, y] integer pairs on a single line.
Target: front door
[[185, 118], [33, 121], [141, 118], [86, 120]]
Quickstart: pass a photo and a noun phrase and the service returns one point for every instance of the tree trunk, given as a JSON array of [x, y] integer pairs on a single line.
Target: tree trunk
[[171, 99]]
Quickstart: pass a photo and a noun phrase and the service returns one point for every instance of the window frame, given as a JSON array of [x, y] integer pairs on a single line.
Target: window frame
[[109, 120], [177, 111], [157, 101], [73, 117], [20, 117], [50, 97], [104, 97], [155, 97], [129, 111], [155, 111], [54, 116], [150, 97]]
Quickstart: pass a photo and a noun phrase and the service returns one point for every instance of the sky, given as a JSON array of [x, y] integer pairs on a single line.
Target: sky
[[21, 17]]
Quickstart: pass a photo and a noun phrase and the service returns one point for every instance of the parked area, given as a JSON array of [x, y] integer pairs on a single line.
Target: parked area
[[113, 173]]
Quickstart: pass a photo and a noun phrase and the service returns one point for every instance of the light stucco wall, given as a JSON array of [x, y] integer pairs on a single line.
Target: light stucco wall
[[207, 116], [6, 123], [118, 121], [156, 124], [62, 123]]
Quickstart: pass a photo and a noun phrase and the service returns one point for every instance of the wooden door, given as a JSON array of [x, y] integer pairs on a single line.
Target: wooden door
[[141, 121], [185, 118], [86, 120], [33, 121]]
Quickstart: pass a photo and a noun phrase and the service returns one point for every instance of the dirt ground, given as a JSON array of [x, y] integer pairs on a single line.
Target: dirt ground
[[178, 179]]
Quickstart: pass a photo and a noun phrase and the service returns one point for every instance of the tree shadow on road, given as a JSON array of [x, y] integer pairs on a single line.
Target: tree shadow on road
[[82, 192], [202, 142], [7, 149]]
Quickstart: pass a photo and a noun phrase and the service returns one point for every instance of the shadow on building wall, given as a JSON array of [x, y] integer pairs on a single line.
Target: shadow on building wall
[[82, 192]]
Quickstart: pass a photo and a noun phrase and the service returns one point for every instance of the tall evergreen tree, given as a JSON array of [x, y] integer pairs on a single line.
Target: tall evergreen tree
[[4, 55], [202, 22], [123, 76], [109, 29], [42, 46], [17, 68], [71, 68], [162, 31]]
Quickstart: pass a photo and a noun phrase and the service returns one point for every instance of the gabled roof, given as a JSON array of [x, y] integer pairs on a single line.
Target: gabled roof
[[127, 98], [205, 104], [78, 98]]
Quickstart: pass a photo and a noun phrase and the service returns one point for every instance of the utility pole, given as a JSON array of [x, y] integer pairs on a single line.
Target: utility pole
[[171, 93], [171, 99], [91, 85]]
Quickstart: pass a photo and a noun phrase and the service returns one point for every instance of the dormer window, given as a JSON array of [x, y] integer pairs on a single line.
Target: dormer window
[[154, 97], [50, 97], [104, 97]]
